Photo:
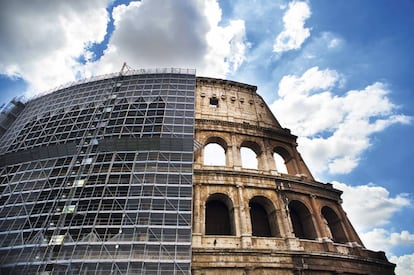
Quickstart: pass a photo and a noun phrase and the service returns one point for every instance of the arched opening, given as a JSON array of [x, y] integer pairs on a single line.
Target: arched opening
[[260, 222], [301, 221], [280, 163], [249, 153], [214, 154], [219, 218], [281, 155], [334, 225], [248, 158], [263, 218]]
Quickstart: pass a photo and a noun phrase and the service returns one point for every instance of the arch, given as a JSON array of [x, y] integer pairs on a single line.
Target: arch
[[215, 152], [280, 163], [219, 215], [263, 217], [281, 156], [301, 220], [250, 152], [248, 158], [334, 225]]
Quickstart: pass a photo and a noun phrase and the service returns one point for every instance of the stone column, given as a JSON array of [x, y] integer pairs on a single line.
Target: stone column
[[291, 241], [265, 163], [269, 158], [280, 219], [319, 224], [285, 217], [229, 156], [244, 213], [236, 156], [197, 219]]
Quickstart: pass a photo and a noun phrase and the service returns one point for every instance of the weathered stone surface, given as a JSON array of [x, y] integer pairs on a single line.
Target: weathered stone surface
[[278, 223]]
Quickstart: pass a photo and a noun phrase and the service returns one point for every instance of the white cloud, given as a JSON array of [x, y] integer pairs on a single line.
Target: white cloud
[[223, 58], [174, 34], [312, 80], [334, 43], [370, 206], [227, 45], [333, 130], [405, 264], [40, 43], [294, 32], [155, 34], [380, 239], [43, 43]]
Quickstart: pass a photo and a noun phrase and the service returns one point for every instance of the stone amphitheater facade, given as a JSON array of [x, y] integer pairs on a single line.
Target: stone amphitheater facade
[[264, 219], [144, 172]]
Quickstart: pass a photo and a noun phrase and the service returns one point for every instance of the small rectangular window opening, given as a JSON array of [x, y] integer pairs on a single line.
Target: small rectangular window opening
[[214, 102]]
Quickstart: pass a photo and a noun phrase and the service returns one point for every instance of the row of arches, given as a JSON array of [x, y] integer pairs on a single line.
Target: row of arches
[[219, 219], [215, 153]]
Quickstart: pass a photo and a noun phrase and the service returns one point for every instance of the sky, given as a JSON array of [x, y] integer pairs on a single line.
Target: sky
[[337, 73]]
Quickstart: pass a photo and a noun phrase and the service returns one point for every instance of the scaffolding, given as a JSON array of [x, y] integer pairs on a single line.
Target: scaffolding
[[9, 113], [101, 181]]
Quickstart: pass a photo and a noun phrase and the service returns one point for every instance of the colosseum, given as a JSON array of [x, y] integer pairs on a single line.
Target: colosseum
[[272, 217], [162, 172]]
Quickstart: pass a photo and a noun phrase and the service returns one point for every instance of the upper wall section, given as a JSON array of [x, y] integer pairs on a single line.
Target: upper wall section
[[226, 100], [161, 101], [234, 113]]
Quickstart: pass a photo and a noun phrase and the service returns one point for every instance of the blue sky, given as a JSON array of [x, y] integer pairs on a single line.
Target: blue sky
[[337, 73]]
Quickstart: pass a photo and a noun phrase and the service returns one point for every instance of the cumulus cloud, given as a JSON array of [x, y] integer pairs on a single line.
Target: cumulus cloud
[[333, 130], [370, 206], [174, 34], [405, 264], [155, 33], [382, 239], [41, 41], [224, 58], [294, 32]]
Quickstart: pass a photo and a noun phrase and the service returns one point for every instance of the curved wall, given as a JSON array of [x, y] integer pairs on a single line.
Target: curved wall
[[121, 175], [281, 221], [96, 178]]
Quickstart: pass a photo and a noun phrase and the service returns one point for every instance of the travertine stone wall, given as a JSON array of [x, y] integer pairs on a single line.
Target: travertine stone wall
[[232, 115]]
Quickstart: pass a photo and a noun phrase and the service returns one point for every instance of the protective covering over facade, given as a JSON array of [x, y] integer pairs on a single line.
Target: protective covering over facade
[[96, 178]]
